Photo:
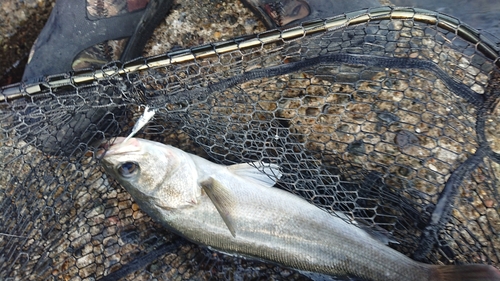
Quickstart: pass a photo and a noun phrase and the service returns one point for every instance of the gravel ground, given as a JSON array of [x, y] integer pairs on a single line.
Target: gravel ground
[[188, 24]]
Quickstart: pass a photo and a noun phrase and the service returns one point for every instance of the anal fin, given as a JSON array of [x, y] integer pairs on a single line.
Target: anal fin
[[378, 233]]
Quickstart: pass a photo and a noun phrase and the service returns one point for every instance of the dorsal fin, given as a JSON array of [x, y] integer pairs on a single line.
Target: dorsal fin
[[266, 174], [222, 200]]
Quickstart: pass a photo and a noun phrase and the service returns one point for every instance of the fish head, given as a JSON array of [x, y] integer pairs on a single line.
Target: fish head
[[153, 173]]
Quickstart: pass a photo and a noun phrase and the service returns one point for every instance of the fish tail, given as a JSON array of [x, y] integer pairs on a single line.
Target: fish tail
[[472, 272]]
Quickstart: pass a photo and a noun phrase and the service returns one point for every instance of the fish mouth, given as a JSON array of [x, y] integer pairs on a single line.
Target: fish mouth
[[113, 146]]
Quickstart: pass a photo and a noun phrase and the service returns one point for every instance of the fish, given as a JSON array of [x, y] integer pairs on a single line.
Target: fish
[[237, 210]]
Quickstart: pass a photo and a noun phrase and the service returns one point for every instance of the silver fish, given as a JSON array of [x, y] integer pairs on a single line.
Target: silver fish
[[235, 209]]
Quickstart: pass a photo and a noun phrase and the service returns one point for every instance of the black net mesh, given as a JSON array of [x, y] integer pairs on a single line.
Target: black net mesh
[[389, 115]]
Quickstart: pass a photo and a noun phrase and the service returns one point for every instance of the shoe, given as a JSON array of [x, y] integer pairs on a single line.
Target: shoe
[[293, 12], [82, 34]]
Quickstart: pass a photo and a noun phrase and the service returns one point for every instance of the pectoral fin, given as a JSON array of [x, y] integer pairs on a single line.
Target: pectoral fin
[[222, 199]]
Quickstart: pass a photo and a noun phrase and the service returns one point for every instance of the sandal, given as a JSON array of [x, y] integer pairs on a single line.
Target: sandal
[[292, 12], [88, 33]]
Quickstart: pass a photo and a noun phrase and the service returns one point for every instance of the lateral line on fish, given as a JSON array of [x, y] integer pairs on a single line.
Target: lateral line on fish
[[143, 120]]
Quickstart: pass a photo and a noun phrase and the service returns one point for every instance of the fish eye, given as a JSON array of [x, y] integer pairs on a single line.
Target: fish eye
[[128, 169]]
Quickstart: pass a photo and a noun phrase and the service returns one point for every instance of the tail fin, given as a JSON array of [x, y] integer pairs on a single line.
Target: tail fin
[[472, 272]]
